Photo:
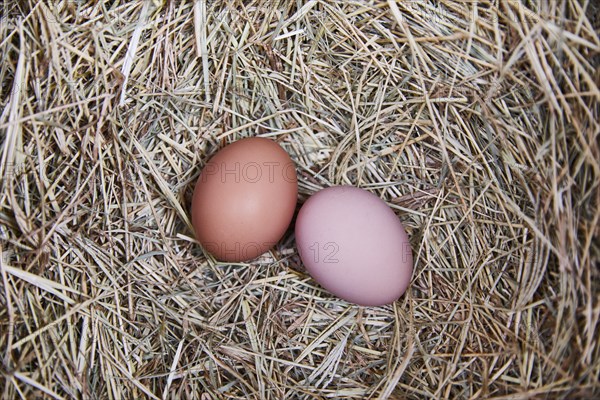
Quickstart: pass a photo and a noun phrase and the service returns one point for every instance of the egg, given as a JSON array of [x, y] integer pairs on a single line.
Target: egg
[[353, 244], [244, 199]]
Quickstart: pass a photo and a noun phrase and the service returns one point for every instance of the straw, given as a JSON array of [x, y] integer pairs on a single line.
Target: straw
[[477, 122]]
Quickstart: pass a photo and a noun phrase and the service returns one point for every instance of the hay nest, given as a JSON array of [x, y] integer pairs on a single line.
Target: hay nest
[[477, 122]]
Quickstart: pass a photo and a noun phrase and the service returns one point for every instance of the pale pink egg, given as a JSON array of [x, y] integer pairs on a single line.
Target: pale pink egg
[[353, 244]]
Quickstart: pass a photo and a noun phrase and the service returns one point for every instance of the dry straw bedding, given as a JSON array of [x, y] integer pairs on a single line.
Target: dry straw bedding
[[476, 121]]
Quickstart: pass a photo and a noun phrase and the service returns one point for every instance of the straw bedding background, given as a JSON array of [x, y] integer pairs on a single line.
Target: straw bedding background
[[476, 121]]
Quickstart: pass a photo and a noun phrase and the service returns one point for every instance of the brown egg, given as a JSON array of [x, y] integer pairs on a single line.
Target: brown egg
[[244, 199]]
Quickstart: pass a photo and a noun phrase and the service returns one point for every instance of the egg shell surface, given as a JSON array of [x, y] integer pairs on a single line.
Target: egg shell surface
[[244, 199], [353, 244]]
